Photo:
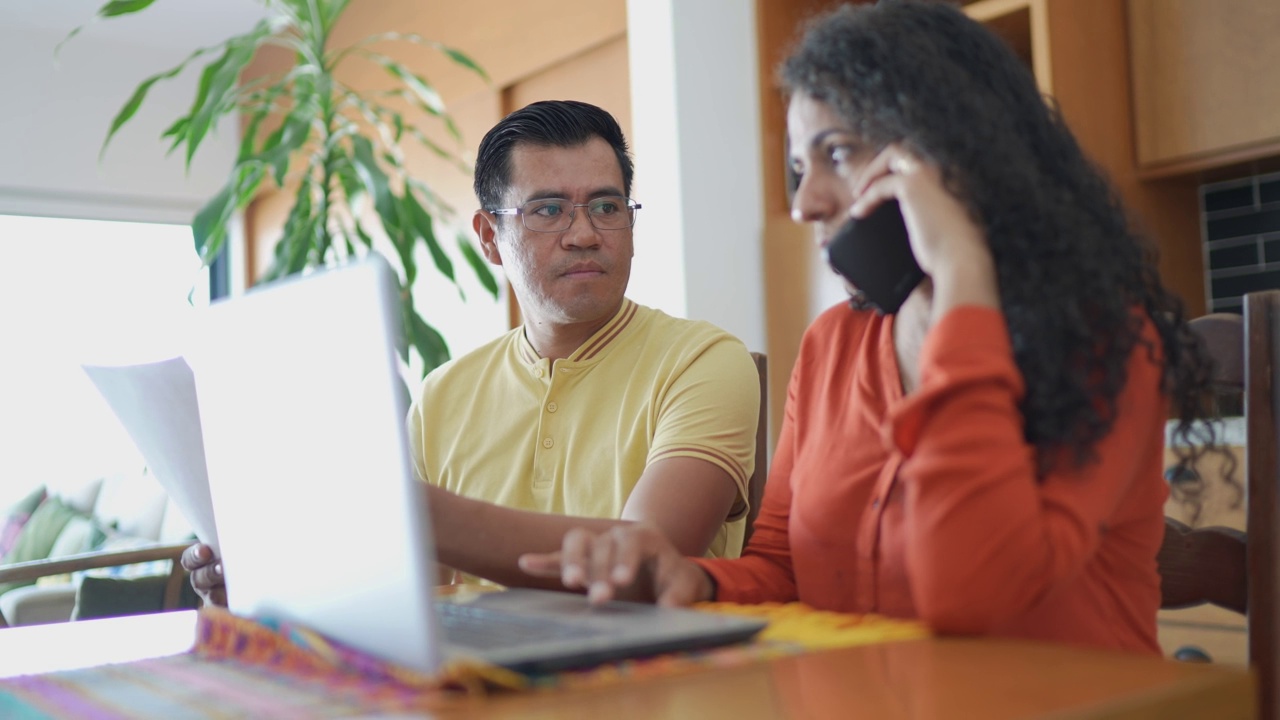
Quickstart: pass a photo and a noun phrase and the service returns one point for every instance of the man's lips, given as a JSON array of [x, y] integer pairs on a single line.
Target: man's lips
[[583, 270]]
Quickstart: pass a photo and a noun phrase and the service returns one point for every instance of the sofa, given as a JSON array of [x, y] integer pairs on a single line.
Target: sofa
[[99, 548]]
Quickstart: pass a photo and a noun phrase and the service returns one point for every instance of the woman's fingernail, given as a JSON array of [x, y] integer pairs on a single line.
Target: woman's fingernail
[[620, 574], [217, 569]]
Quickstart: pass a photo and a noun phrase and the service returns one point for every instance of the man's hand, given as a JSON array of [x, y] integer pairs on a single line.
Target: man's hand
[[628, 562], [206, 574]]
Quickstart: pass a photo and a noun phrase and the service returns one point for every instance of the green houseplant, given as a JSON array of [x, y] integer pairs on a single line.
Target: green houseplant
[[338, 150]]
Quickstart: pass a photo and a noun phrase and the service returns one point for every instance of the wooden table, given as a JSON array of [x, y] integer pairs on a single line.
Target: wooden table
[[933, 679]]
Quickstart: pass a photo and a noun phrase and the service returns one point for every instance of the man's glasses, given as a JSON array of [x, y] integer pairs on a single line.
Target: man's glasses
[[612, 212]]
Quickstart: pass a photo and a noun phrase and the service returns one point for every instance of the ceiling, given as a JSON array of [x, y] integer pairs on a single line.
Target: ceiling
[[167, 23]]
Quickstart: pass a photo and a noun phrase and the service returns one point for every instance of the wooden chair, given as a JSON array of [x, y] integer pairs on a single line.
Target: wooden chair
[[1234, 570], [36, 569], [755, 485]]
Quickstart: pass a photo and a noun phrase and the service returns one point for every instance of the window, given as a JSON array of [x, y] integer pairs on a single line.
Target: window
[[74, 291]]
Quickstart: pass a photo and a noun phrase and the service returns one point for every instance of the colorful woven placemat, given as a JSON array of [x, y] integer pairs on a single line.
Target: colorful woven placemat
[[242, 668]]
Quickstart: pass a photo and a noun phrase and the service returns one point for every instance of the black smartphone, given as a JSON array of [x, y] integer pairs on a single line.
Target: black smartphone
[[874, 254]]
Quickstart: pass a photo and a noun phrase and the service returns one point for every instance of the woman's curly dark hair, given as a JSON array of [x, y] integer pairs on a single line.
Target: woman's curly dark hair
[[1076, 281]]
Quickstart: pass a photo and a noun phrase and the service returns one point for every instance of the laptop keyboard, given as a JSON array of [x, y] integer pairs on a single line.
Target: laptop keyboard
[[484, 629]]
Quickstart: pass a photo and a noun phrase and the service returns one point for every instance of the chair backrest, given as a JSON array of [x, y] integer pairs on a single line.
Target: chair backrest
[[755, 486], [1222, 566]]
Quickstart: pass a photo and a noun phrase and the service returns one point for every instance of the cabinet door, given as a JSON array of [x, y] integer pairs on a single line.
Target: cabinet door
[[1204, 82]]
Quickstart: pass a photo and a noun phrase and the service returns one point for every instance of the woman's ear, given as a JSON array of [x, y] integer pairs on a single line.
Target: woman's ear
[[486, 226]]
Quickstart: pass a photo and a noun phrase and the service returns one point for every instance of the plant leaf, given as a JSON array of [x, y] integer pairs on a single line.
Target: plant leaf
[[455, 55], [376, 184], [250, 135], [209, 228], [431, 145], [332, 10], [478, 265], [464, 60], [346, 240], [434, 204], [423, 226], [140, 93], [218, 80], [348, 179], [280, 145], [424, 338], [364, 236], [116, 8], [422, 89], [295, 244], [177, 131]]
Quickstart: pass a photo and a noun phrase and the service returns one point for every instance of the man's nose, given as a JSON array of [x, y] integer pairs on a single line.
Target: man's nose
[[580, 233]]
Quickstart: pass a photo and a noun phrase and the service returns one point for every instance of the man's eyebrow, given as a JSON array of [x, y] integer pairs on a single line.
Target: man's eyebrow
[[548, 194]]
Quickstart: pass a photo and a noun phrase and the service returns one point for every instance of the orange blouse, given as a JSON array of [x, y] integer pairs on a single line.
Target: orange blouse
[[927, 506]]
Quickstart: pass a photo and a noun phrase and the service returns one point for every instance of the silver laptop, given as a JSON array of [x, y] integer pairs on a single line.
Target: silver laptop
[[319, 513]]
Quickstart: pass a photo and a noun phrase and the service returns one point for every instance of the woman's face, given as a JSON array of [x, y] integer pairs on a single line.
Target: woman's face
[[827, 158]]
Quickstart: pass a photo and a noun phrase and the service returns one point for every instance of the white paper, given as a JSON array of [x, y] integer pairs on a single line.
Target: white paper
[[156, 403]]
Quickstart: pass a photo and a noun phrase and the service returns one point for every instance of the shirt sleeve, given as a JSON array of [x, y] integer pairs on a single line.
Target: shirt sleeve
[[415, 424], [709, 411], [987, 541]]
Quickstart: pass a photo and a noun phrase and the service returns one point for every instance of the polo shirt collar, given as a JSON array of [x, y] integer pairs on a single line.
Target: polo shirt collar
[[596, 345]]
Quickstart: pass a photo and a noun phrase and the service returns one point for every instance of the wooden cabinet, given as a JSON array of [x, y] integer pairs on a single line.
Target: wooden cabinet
[[1218, 632], [1024, 24], [1079, 52], [1205, 87]]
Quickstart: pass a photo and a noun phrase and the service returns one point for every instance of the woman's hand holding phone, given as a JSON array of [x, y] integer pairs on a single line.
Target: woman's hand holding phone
[[874, 254], [944, 240]]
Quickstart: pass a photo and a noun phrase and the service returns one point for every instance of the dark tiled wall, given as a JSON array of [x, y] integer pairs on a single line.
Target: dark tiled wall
[[1241, 220]]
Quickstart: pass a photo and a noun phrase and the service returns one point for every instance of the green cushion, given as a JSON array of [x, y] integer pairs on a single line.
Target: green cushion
[[37, 536], [80, 535], [16, 517], [110, 597]]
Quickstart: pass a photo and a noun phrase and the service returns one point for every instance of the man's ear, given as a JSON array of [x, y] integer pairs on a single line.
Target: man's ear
[[486, 227]]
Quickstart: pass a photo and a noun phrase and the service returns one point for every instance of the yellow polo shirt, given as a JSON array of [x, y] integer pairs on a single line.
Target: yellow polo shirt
[[501, 424]]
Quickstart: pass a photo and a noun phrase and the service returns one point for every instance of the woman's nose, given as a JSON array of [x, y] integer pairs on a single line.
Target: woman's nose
[[810, 204]]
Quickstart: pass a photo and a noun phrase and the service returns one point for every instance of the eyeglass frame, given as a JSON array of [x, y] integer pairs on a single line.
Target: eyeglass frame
[[631, 205]]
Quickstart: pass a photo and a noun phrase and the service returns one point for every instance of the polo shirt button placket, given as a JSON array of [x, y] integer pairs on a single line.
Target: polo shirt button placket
[[552, 407], [547, 443]]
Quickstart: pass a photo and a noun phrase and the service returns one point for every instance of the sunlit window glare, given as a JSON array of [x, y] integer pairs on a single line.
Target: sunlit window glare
[[82, 291]]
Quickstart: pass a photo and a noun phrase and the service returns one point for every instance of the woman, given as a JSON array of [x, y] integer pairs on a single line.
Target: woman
[[989, 458]]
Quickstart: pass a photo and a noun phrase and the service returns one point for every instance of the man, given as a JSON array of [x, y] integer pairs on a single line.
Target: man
[[597, 411]]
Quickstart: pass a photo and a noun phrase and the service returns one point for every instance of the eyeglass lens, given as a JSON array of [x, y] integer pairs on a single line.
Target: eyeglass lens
[[551, 215]]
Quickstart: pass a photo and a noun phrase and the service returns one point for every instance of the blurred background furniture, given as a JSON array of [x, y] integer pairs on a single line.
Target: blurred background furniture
[[755, 484], [1222, 566], [107, 547]]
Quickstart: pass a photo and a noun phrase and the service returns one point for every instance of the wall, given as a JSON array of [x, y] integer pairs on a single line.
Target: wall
[[696, 114]]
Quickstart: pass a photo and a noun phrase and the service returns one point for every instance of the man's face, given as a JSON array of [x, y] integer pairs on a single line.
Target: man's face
[[573, 276]]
